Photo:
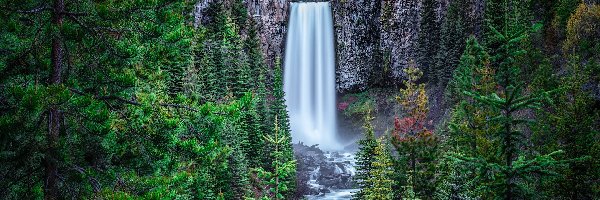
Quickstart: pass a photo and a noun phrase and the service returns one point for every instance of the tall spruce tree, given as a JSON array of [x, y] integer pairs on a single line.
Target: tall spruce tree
[[506, 177], [469, 130], [364, 156], [279, 109], [380, 179], [469, 126], [281, 178]]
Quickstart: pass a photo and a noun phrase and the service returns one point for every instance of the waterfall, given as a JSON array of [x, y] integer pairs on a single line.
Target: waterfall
[[309, 74]]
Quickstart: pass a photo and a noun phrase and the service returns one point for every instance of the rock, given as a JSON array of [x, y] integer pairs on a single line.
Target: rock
[[368, 34], [318, 172]]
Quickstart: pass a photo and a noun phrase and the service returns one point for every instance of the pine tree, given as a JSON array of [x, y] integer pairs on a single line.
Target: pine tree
[[380, 176], [469, 127], [73, 73], [237, 138], [256, 61], [235, 72], [364, 156], [416, 146], [279, 109], [512, 169], [254, 148], [239, 14], [281, 179]]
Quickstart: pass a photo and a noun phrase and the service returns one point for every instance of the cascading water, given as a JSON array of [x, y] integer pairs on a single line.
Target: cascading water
[[310, 74]]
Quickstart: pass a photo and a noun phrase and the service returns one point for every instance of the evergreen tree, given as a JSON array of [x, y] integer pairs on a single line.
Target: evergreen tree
[[71, 72], [380, 176], [416, 146], [239, 14], [235, 74], [284, 170], [469, 127], [364, 156], [279, 109], [513, 168], [260, 71], [256, 61], [570, 124], [236, 135], [254, 149]]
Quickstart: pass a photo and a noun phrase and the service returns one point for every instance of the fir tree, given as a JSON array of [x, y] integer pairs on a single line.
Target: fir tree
[[364, 156], [469, 127], [279, 109], [239, 14], [380, 176], [512, 169], [252, 127], [256, 61], [416, 146], [284, 170]]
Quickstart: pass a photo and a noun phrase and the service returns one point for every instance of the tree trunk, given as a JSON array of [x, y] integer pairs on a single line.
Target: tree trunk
[[510, 151], [51, 191]]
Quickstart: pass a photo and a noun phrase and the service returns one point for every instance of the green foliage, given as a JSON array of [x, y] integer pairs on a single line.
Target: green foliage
[[456, 180], [365, 158], [125, 100], [570, 127], [415, 145], [380, 180], [280, 179], [507, 175]]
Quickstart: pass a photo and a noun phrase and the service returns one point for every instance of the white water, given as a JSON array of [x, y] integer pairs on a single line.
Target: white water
[[310, 74], [348, 163]]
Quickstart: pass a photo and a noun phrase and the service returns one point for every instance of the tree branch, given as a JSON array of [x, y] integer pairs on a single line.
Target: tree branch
[[132, 102]]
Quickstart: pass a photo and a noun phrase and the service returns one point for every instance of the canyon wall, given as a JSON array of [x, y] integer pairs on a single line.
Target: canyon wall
[[375, 39], [270, 17]]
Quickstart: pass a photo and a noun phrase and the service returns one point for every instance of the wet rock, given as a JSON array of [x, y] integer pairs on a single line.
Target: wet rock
[[319, 172]]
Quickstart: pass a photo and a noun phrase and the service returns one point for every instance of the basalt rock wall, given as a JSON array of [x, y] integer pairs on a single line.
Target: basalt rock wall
[[375, 39]]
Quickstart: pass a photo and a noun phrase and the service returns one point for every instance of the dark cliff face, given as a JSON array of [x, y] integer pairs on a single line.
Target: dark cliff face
[[271, 18], [375, 39], [357, 42]]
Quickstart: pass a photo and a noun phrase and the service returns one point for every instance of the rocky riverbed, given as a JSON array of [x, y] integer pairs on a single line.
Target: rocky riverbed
[[325, 174]]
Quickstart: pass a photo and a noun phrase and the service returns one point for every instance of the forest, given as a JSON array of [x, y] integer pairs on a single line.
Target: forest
[[154, 99]]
